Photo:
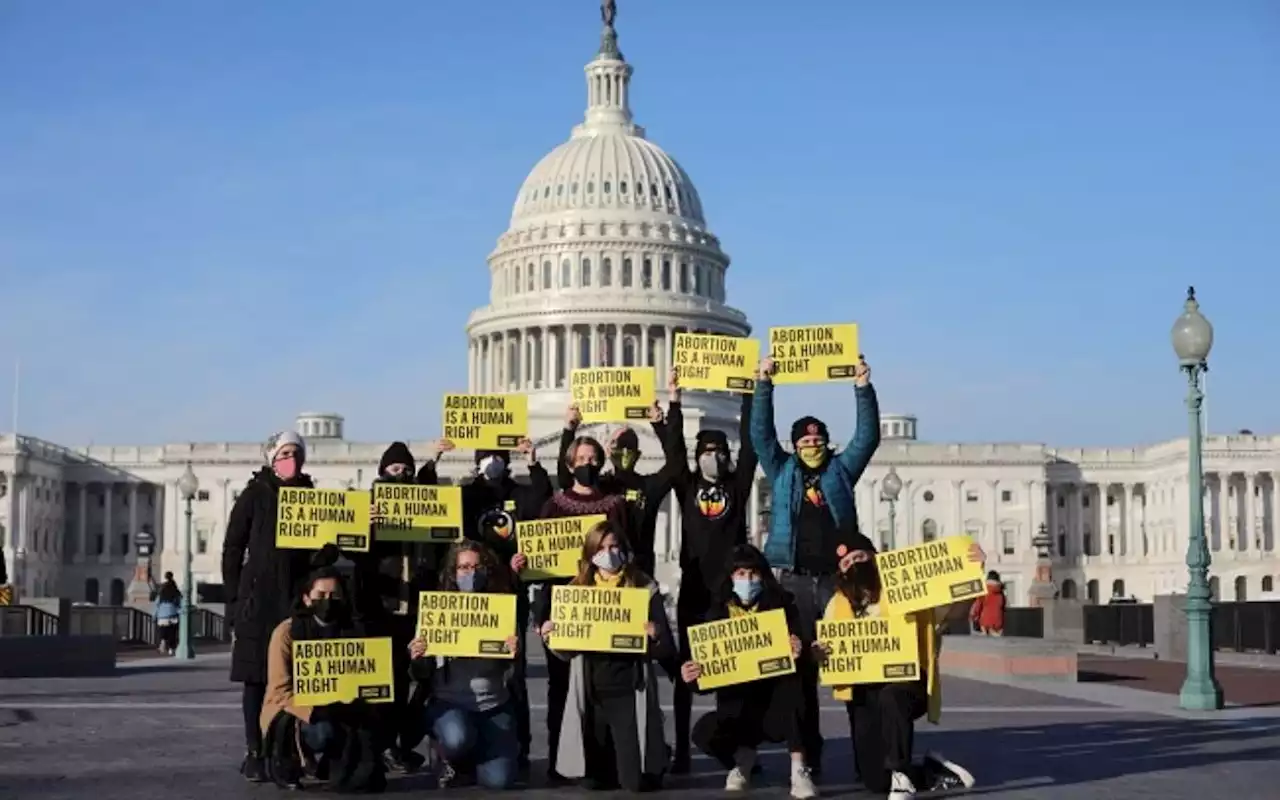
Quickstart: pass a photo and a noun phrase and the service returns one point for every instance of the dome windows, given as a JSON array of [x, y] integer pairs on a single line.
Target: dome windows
[[591, 187], [559, 189], [586, 272], [546, 274], [646, 274], [566, 274], [573, 188], [606, 187], [533, 280], [626, 273], [684, 277], [546, 192], [606, 272], [666, 274]]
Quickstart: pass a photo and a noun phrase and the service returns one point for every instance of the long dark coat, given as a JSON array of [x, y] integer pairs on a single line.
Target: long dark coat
[[262, 589]]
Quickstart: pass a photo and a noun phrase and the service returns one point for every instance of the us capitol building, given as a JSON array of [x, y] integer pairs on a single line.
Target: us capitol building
[[607, 256]]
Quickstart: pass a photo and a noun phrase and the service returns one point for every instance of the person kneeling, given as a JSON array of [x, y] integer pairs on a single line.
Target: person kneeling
[[612, 733], [336, 742], [768, 710], [882, 715], [471, 715]]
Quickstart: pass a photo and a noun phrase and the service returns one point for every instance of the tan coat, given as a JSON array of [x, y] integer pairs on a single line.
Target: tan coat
[[280, 678]]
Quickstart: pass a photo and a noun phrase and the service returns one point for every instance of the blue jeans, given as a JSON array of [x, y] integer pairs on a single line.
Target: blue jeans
[[317, 736], [485, 739]]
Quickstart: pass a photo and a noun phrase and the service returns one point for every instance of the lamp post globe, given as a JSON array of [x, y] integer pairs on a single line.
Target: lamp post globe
[[890, 488], [1192, 338], [188, 486]]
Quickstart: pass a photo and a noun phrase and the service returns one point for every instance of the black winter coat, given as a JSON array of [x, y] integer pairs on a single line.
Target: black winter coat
[[263, 589], [491, 509]]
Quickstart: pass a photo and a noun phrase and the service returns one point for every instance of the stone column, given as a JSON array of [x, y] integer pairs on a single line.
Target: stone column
[[83, 551], [618, 333], [594, 352], [995, 537], [1250, 511], [644, 346], [1034, 498], [108, 494], [1130, 541], [668, 342], [133, 512], [157, 512]]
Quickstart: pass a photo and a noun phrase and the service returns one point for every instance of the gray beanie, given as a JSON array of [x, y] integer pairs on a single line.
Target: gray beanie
[[277, 441]]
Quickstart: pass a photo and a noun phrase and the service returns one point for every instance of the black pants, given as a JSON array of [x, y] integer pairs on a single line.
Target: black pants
[[751, 714], [691, 609], [519, 687], [882, 721], [251, 704], [812, 593], [557, 696], [168, 636], [612, 743]]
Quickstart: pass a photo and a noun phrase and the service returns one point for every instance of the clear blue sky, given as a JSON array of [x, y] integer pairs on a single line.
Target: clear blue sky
[[215, 214]]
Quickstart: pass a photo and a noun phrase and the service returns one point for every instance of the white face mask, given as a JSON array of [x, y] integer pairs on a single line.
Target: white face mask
[[709, 465], [492, 468]]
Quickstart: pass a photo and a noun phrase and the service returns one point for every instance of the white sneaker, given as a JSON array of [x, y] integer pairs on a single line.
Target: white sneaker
[[945, 775], [735, 781], [802, 787], [901, 787]]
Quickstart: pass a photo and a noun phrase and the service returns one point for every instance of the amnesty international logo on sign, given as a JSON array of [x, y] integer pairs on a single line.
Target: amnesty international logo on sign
[[342, 670], [742, 649], [466, 624], [929, 575], [613, 394], [553, 547], [308, 519], [599, 620], [870, 650], [411, 513], [814, 353], [486, 421], [716, 363]]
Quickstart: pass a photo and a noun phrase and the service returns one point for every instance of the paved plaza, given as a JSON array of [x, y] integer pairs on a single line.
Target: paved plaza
[[162, 728]]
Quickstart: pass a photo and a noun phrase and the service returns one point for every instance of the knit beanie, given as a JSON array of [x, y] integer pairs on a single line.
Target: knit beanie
[[710, 437], [808, 426], [626, 439], [277, 442], [397, 453]]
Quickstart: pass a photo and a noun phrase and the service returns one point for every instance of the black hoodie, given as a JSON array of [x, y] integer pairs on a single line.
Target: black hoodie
[[713, 515], [491, 509]]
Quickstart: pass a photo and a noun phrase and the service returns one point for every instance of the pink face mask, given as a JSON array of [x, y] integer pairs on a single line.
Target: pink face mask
[[286, 468]]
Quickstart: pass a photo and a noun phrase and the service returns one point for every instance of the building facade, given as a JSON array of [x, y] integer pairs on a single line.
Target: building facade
[[606, 257]]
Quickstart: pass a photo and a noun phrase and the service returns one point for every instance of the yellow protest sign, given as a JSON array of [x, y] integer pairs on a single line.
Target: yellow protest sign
[[813, 353], [742, 649], [342, 670], [411, 513], [553, 547], [929, 575], [613, 394], [869, 650], [466, 624], [486, 421], [598, 619], [716, 363], [308, 519]]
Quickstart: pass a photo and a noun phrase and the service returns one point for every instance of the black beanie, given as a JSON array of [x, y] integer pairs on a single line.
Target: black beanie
[[710, 437], [505, 455], [397, 453], [808, 426], [626, 440]]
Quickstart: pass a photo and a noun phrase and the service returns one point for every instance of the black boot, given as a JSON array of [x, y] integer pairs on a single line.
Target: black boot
[[252, 767]]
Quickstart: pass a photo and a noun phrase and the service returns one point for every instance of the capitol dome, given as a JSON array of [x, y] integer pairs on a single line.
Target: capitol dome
[[606, 257]]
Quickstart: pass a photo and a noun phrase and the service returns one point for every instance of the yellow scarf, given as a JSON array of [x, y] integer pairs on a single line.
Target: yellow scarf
[[610, 583], [736, 610], [926, 629]]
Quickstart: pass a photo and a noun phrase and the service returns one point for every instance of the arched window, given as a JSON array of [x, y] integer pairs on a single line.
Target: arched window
[[1068, 589], [1267, 583], [566, 274], [586, 272], [606, 272], [646, 274], [1117, 588], [1091, 589], [513, 282], [684, 277], [928, 530], [546, 274], [91, 591], [666, 275], [1213, 587], [699, 280], [626, 273], [533, 280], [1242, 589]]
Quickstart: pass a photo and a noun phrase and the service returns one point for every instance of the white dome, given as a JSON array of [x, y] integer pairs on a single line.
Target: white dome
[[609, 170]]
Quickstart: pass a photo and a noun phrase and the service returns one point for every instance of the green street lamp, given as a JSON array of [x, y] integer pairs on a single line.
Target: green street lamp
[[188, 484], [890, 488], [1192, 337]]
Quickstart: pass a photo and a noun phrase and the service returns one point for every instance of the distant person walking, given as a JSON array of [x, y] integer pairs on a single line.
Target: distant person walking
[[167, 614], [987, 612], [262, 588]]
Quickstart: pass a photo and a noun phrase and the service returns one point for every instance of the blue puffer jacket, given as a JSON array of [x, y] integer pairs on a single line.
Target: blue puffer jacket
[[783, 471], [167, 610]]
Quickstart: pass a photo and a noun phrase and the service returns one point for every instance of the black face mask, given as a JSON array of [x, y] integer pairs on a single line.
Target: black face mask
[[328, 610], [403, 477], [586, 475]]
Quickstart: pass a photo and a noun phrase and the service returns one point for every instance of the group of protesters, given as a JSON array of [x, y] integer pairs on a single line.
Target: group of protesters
[[468, 719]]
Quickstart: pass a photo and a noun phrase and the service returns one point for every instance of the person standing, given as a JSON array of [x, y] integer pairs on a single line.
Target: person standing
[[167, 613], [492, 504], [643, 493], [814, 526], [987, 612], [262, 588], [714, 500]]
